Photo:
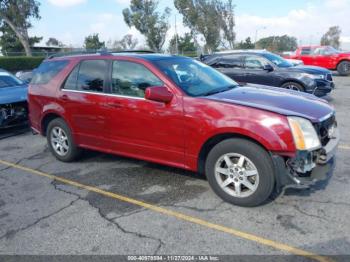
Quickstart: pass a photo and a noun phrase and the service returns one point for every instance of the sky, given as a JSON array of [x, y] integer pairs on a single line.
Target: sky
[[70, 21]]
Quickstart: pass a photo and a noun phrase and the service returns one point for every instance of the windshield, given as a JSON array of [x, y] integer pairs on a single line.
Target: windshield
[[7, 80], [277, 60], [194, 77]]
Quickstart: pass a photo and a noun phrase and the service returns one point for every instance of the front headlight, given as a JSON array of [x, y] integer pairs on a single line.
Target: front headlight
[[304, 134], [314, 76]]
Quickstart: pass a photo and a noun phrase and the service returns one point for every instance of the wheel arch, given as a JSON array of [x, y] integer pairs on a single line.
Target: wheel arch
[[214, 140], [343, 60], [46, 119], [292, 80]]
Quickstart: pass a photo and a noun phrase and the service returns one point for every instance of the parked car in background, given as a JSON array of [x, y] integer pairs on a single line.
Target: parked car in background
[[26, 76], [324, 56], [265, 68], [177, 111], [13, 101]]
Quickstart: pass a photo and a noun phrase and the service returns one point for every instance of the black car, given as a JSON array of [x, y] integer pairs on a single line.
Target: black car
[[265, 68]]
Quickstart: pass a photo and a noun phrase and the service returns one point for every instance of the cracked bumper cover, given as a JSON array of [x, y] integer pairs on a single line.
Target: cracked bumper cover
[[323, 164]]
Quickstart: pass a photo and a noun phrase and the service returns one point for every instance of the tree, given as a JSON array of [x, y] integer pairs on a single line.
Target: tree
[[143, 15], [17, 14], [10, 43], [210, 18], [278, 43], [247, 44], [184, 43], [93, 42], [128, 42], [332, 37], [54, 42], [228, 23]]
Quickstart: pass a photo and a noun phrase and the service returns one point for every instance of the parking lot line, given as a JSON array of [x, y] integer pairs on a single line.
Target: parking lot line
[[178, 215]]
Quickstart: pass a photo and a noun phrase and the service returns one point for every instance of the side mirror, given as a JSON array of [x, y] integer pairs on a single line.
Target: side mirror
[[159, 94], [268, 68]]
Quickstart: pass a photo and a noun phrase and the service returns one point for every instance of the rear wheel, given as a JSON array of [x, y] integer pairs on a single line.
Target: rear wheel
[[60, 141], [293, 86], [344, 68], [240, 172]]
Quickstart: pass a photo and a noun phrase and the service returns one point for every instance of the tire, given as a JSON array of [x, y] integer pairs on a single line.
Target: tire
[[293, 86], [58, 132], [255, 158], [343, 68]]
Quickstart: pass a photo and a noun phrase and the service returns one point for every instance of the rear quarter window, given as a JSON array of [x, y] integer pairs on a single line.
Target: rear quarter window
[[47, 70]]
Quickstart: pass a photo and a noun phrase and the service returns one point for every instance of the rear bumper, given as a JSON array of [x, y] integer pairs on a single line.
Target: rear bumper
[[322, 165]]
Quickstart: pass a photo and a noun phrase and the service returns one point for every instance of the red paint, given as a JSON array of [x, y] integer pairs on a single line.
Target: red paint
[[171, 133], [327, 61]]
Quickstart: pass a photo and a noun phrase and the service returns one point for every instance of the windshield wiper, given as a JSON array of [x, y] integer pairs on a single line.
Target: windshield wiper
[[219, 90]]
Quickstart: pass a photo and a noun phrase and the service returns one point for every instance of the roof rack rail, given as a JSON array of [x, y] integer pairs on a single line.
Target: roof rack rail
[[134, 51], [99, 52]]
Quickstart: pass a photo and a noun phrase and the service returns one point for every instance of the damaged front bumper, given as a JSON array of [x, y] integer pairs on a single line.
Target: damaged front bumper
[[14, 114], [307, 167]]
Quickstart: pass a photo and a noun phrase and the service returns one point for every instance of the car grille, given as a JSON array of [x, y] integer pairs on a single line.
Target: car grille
[[323, 127], [329, 77]]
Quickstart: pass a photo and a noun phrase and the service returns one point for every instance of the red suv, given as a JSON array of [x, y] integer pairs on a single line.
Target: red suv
[[176, 111]]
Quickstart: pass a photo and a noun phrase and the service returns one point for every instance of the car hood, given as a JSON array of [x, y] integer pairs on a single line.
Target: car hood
[[285, 102], [308, 69], [13, 94]]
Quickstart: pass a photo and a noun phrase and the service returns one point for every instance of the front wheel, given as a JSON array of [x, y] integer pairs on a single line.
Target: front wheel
[[344, 68], [293, 86], [240, 172]]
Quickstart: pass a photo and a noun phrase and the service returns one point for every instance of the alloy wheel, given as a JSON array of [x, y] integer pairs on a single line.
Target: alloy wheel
[[59, 141], [237, 175], [292, 87]]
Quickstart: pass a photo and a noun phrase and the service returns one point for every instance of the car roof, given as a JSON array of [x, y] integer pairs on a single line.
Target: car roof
[[260, 51]]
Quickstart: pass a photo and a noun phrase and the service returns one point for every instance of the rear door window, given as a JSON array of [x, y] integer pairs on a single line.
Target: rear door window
[[92, 75], [47, 71]]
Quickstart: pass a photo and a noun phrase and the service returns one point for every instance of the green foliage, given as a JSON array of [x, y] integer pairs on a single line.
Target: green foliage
[[143, 15], [278, 43], [92, 42], [185, 44], [128, 42], [17, 63], [227, 23], [17, 14], [54, 42], [9, 41], [247, 44], [209, 18], [332, 37]]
